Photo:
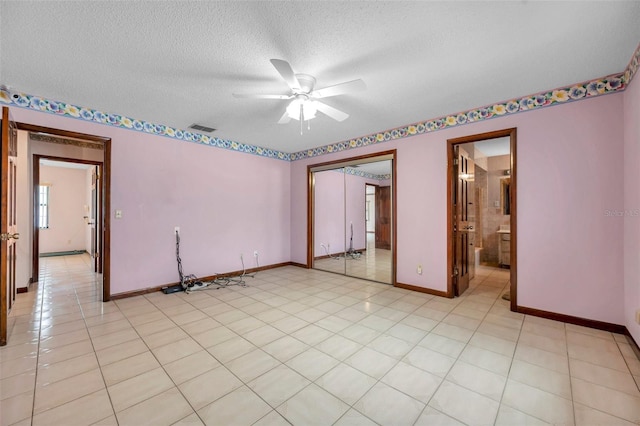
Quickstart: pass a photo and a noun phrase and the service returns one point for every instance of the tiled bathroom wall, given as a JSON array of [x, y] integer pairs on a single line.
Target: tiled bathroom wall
[[492, 216]]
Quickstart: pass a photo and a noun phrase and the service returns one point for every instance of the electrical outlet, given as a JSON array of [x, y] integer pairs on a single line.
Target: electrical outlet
[[419, 269], [255, 253], [176, 230]]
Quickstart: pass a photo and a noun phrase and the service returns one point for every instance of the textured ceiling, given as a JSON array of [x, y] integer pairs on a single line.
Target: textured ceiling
[[178, 63]]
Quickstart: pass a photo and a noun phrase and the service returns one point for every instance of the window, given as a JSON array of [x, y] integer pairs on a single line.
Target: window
[[43, 211]]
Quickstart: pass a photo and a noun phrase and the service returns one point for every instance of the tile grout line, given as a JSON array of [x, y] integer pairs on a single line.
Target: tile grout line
[[95, 353], [41, 290], [512, 355]]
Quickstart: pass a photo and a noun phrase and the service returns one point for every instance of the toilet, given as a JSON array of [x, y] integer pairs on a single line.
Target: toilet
[[477, 257]]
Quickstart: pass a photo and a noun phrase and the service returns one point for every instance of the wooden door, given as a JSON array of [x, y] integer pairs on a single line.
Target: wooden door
[[383, 217], [463, 215], [8, 217]]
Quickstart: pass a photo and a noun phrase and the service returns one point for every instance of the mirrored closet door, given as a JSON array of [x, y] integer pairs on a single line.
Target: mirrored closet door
[[352, 218]]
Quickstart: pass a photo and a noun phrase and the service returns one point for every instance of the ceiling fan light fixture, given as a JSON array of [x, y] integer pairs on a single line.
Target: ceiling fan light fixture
[[309, 109]]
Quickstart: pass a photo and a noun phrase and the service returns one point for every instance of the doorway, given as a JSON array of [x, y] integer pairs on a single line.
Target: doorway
[[102, 259], [481, 208], [351, 226], [67, 208]]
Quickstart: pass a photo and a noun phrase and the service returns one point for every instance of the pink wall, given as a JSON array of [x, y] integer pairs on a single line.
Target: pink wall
[[67, 198], [569, 252], [632, 206], [225, 203]]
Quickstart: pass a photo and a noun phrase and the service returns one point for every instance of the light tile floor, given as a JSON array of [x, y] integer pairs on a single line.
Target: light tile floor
[[304, 347]]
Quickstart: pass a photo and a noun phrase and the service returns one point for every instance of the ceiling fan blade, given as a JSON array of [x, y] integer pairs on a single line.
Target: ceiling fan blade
[[340, 89], [284, 119], [258, 96], [332, 112], [287, 73]]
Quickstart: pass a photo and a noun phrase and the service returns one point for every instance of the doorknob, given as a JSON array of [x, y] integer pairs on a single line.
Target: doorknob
[[8, 236]]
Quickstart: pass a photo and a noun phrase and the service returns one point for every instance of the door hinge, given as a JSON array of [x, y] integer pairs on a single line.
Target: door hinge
[[455, 272], [455, 161]]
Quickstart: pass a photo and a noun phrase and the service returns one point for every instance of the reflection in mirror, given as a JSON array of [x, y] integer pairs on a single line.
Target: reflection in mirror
[[356, 200], [329, 220], [505, 195]]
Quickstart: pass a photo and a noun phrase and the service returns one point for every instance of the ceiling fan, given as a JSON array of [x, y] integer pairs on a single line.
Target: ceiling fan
[[304, 97]]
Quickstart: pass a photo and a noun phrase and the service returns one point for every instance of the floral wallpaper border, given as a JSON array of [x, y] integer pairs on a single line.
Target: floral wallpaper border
[[597, 87], [24, 100], [366, 175]]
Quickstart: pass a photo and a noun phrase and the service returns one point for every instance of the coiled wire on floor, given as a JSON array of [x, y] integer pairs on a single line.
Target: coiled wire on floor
[[192, 283]]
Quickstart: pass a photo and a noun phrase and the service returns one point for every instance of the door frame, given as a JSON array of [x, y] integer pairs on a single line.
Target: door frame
[[512, 134], [106, 195], [366, 231], [346, 162]]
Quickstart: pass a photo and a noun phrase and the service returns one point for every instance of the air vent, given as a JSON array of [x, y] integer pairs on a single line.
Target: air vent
[[201, 128]]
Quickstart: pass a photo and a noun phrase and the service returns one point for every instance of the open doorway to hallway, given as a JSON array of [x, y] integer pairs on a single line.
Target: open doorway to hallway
[[67, 213], [89, 156]]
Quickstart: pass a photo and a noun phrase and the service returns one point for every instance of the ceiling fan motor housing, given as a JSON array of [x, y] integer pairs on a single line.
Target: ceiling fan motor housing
[[307, 82]]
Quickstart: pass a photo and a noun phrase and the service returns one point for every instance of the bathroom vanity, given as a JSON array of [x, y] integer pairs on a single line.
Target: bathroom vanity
[[504, 253]]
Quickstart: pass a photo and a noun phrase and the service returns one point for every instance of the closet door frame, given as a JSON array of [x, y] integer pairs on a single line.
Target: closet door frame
[[351, 161]]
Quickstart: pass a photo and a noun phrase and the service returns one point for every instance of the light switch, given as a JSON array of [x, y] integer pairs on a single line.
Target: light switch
[[118, 214], [496, 203]]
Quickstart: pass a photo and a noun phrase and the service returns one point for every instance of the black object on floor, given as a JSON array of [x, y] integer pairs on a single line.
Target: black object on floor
[[172, 289]]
